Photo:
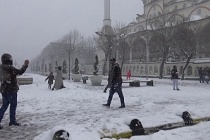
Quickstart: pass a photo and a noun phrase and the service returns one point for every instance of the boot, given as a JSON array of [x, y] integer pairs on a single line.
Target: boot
[[122, 105], [107, 105], [14, 123], [1, 127]]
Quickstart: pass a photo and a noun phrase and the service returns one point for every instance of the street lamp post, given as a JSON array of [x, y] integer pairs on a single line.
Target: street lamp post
[[147, 51]]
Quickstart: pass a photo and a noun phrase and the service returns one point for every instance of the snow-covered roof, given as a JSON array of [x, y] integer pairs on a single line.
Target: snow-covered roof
[[202, 60]]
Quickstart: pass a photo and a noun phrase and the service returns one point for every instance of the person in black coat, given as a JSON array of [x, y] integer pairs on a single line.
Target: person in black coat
[[50, 79], [201, 75], [9, 86], [175, 77], [115, 84]]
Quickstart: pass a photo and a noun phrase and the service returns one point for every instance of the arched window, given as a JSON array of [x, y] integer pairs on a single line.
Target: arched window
[[168, 71], [175, 7], [138, 68], [184, 5], [189, 70], [123, 69], [154, 8], [196, 71], [142, 69], [155, 70], [180, 71], [199, 11], [145, 71], [134, 68], [164, 72], [127, 68], [159, 13], [150, 70], [150, 16]]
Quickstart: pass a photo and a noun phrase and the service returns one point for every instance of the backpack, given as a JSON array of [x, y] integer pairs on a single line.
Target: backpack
[[5, 80], [1, 78]]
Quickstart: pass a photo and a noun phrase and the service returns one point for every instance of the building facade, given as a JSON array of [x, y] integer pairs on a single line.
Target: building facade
[[139, 52]]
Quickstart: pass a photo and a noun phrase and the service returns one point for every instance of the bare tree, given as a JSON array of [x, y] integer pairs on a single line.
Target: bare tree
[[162, 30], [185, 40], [90, 50], [69, 42], [120, 41], [100, 43]]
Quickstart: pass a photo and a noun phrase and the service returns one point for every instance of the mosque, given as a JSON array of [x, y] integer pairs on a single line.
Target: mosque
[[144, 50]]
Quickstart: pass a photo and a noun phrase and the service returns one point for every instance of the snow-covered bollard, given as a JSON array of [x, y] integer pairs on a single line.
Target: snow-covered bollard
[[187, 118], [59, 133]]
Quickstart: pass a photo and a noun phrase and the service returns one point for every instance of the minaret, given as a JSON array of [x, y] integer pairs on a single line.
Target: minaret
[[107, 20]]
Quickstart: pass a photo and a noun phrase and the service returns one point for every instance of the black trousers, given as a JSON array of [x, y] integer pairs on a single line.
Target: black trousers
[[113, 89]]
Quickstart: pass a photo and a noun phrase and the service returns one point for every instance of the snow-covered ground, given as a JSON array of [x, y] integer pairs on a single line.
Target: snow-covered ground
[[78, 109]]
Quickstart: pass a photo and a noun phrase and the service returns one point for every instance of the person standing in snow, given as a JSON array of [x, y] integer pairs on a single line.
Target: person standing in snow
[[50, 79], [115, 83], [59, 79], [128, 74], [9, 87], [201, 75], [175, 77]]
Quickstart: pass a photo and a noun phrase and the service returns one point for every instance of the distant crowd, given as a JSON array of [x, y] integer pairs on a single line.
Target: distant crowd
[[204, 74]]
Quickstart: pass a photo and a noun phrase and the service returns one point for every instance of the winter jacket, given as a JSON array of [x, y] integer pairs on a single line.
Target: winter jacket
[[8, 77], [58, 80], [50, 79], [116, 77], [174, 74]]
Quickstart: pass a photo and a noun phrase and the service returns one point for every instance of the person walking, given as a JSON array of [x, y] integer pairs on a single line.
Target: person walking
[[201, 75], [115, 83], [50, 79], [175, 77], [9, 87], [58, 80]]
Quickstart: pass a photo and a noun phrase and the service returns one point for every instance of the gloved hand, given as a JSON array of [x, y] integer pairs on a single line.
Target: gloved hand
[[26, 62]]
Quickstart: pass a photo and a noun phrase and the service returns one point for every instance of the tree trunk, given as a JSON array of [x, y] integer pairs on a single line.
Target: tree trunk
[[105, 63], [123, 59], [162, 66], [69, 65], [185, 66]]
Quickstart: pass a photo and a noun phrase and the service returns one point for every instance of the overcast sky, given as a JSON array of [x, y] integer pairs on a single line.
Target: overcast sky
[[27, 26]]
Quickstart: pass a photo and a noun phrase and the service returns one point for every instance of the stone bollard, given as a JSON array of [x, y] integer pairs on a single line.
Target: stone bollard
[[136, 127]]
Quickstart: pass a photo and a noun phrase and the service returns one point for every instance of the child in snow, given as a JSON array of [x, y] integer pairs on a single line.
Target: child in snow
[[50, 79]]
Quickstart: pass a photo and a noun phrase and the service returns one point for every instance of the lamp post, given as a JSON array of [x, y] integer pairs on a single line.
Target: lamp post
[[147, 50]]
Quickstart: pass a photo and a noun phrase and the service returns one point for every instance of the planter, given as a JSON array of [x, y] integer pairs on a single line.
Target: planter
[[96, 80], [76, 77]]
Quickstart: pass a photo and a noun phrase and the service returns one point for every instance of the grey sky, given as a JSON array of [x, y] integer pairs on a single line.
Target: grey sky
[[27, 26]]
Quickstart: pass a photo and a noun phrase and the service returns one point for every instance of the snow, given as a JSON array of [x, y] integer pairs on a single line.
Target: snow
[[195, 17], [78, 110]]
